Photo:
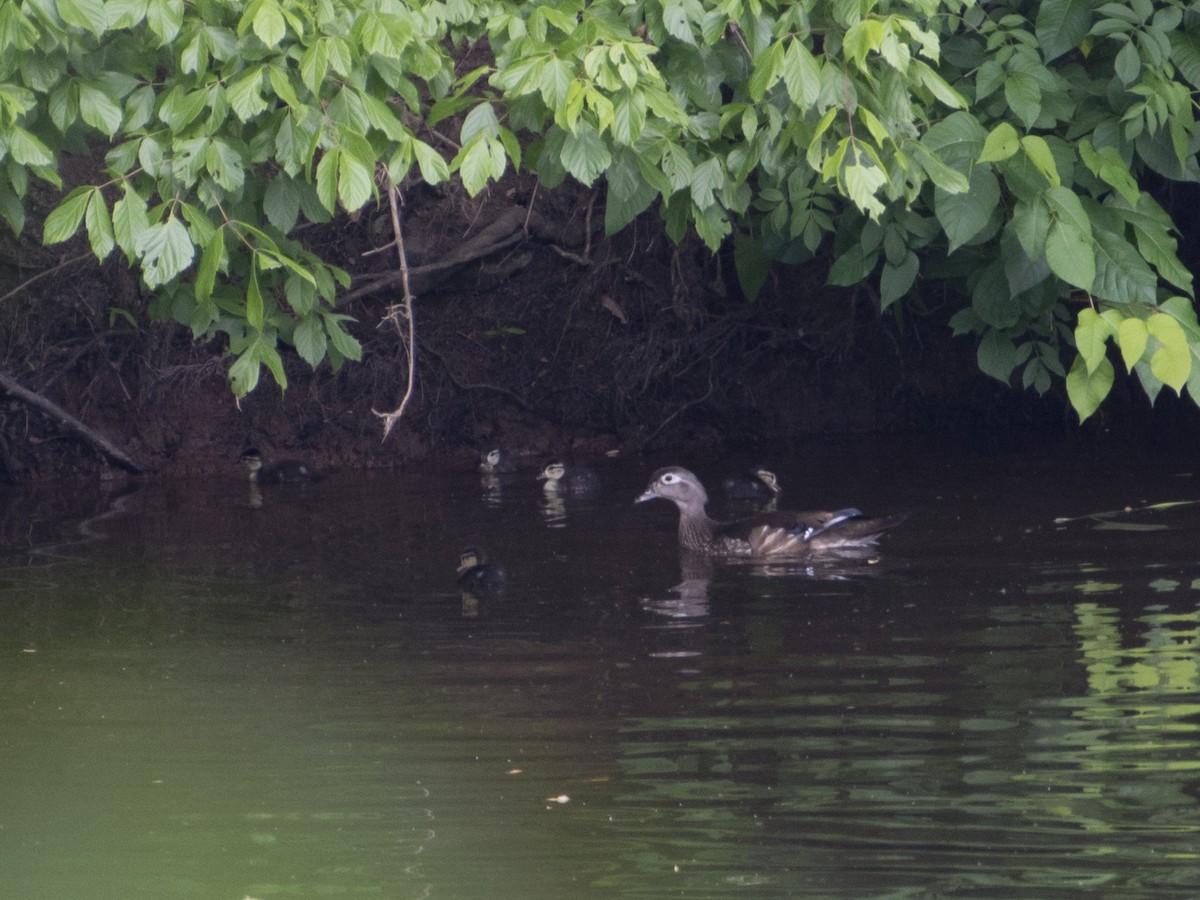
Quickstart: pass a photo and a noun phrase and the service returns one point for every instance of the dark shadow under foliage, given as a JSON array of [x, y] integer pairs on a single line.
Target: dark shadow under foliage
[[561, 339]]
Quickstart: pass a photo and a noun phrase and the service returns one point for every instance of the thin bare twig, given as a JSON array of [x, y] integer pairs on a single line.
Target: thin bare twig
[[406, 309], [40, 275]]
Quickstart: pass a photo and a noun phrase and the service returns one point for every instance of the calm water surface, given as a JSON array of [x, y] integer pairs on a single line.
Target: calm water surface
[[203, 697]]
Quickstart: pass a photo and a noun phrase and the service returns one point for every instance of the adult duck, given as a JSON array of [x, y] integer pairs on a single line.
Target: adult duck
[[768, 535]]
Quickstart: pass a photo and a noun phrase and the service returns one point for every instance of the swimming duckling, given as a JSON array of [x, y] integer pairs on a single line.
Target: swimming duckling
[[768, 535], [573, 480], [286, 470], [756, 484], [477, 576], [494, 461]]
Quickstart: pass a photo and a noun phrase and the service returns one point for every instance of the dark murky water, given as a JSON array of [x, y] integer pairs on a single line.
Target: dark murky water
[[203, 699]]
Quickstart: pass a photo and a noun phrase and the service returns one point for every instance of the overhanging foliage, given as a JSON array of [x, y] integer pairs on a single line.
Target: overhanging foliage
[[1002, 149]]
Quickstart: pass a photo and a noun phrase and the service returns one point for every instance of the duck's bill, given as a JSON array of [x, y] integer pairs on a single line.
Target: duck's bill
[[648, 495]]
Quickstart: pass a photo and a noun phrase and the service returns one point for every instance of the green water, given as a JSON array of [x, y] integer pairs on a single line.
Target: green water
[[203, 697]]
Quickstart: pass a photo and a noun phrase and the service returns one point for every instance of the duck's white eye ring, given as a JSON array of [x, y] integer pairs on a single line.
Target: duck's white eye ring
[[669, 478]]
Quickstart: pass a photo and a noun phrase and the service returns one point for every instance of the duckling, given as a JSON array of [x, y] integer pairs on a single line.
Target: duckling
[[286, 470], [573, 480], [494, 461], [768, 535], [475, 576], [756, 484]]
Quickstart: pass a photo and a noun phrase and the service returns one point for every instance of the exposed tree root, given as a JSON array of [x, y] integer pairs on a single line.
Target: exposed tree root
[[64, 418]]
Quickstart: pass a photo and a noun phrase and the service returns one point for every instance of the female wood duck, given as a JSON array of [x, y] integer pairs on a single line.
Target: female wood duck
[[757, 484], [572, 480], [478, 577], [768, 535], [495, 461], [286, 470]]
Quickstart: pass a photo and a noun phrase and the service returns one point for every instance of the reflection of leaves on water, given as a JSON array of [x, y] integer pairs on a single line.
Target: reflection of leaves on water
[[1103, 520]]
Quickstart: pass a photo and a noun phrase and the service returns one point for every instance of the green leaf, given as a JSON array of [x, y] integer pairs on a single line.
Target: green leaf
[[1122, 275], [281, 203], [86, 14], [897, 280], [99, 225], [584, 154], [628, 194], [356, 181], [63, 221], [768, 67], [129, 220], [1038, 152], [254, 300], [165, 17], [165, 250], [434, 168], [992, 300], [801, 74], [327, 170], [1087, 390], [245, 94], [854, 265], [1062, 25], [1069, 243], [28, 150], [1024, 96], [1132, 337], [309, 340], [1001, 143], [963, 216], [752, 264], [1171, 363], [1091, 337], [268, 22], [342, 341], [99, 110], [1108, 165], [210, 262], [1128, 65], [996, 355]]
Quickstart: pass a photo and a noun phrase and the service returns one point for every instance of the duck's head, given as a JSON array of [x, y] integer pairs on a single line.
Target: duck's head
[[252, 460], [767, 477], [469, 559], [679, 486], [552, 472], [489, 460]]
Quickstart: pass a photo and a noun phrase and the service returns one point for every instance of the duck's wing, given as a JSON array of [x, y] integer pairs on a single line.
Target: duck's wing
[[793, 534]]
